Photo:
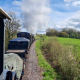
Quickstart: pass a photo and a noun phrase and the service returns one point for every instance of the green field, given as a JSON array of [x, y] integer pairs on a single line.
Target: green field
[[74, 43]]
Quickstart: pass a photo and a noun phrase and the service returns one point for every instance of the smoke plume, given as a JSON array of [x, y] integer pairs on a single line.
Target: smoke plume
[[35, 14]]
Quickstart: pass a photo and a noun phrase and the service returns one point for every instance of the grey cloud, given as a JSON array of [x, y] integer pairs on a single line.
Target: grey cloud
[[72, 22], [77, 26], [75, 20]]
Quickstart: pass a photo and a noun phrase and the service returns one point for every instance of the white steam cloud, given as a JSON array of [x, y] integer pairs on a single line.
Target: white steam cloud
[[35, 14]]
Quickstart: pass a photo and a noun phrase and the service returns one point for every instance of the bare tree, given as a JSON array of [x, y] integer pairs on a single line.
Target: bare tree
[[11, 27]]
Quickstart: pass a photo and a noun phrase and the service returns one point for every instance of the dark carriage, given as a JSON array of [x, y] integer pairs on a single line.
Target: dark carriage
[[19, 46], [26, 35]]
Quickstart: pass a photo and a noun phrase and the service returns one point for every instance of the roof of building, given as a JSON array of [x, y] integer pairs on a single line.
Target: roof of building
[[4, 15]]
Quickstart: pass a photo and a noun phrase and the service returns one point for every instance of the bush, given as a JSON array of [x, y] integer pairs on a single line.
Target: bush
[[61, 58], [48, 72]]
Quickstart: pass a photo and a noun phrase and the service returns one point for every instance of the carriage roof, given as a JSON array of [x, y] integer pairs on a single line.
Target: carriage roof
[[20, 39]]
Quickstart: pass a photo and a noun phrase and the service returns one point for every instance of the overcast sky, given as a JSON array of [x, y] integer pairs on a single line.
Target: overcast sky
[[38, 15]]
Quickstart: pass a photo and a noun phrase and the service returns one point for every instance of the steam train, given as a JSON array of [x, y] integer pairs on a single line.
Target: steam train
[[19, 46], [12, 63]]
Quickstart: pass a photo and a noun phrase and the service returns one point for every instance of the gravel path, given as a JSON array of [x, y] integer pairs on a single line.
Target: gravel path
[[32, 69]]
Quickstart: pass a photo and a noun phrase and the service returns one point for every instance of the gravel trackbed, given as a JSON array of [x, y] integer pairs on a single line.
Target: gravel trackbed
[[32, 69]]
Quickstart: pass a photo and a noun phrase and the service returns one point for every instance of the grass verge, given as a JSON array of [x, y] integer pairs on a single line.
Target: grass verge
[[49, 73]]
